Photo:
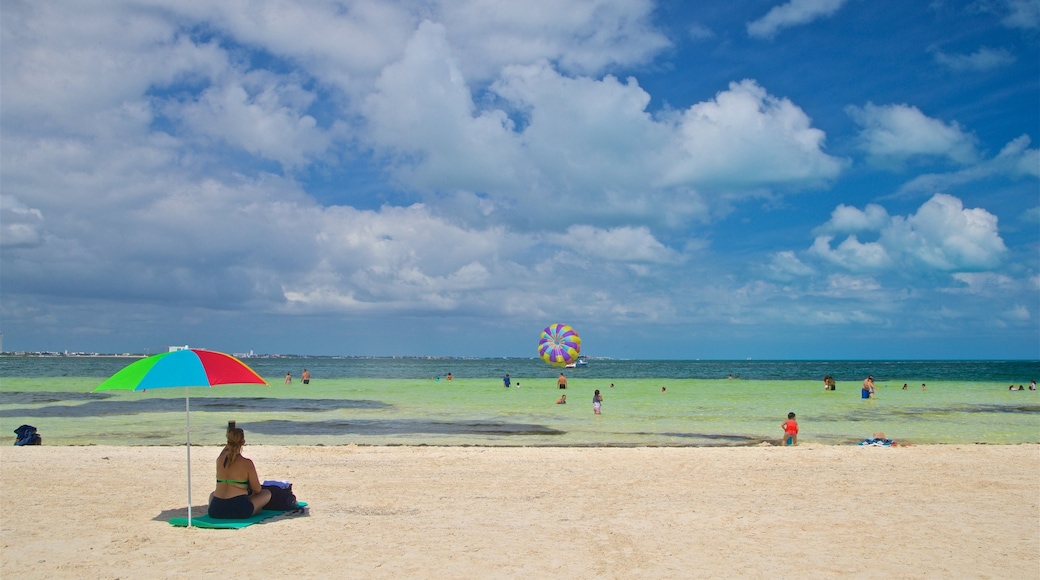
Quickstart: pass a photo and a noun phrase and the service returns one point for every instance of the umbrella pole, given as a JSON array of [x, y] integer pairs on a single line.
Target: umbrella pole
[[187, 423]]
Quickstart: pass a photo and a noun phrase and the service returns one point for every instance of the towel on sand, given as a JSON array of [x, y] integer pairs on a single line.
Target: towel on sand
[[207, 522]]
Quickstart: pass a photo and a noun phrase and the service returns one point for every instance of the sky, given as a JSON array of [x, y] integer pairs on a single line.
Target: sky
[[810, 179]]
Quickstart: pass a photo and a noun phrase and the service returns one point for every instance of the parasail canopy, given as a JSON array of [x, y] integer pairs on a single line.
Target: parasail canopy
[[560, 345]]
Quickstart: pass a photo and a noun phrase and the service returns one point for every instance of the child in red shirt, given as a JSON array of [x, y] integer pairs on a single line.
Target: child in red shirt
[[790, 427]]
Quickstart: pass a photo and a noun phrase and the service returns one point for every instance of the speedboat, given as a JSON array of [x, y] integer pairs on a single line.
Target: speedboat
[[578, 363]]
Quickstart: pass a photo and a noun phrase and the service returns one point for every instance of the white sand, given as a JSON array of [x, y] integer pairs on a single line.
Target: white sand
[[959, 511]]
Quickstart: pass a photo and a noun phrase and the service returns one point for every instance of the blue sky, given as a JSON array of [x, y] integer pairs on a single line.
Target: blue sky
[[812, 179]]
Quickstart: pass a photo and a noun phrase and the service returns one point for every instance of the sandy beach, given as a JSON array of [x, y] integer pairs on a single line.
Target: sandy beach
[[967, 511]]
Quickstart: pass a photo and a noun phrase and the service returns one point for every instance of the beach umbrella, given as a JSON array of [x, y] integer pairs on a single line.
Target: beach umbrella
[[559, 345], [189, 367]]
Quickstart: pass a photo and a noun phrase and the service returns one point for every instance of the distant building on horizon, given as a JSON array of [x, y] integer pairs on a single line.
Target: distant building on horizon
[[176, 348]]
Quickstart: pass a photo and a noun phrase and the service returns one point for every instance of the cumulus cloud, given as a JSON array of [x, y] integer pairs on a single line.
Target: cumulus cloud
[[853, 254], [350, 44], [793, 13], [423, 114], [557, 141], [195, 160], [1015, 160], [745, 136], [143, 117], [581, 38], [941, 236], [893, 134], [846, 219], [264, 116], [625, 244], [589, 134], [63, 71]]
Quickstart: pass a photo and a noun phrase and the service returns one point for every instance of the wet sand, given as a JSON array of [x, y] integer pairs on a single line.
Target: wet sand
[[472, 512]]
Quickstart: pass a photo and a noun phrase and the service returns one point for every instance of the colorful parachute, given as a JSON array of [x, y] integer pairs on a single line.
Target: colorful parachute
[[560, 345]]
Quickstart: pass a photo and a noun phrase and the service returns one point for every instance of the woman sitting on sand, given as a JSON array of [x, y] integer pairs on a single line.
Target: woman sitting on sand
[[238, 494]]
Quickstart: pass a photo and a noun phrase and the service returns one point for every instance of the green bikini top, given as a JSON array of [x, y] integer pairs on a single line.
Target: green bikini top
[[246, 482]]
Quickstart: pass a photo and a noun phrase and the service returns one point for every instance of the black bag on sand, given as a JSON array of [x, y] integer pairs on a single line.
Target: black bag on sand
[[27, 435], [282, 497]]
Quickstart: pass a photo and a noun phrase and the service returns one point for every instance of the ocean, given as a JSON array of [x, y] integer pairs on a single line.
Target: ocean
[[409, 401]]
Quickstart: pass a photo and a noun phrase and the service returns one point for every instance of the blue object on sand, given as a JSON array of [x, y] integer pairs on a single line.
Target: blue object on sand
[[215, 523]]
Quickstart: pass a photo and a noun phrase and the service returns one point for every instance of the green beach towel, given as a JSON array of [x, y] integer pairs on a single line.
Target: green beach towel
[[214, 523]]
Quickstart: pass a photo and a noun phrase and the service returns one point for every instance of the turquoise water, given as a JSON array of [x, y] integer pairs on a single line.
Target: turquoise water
[[275, 368], [479, 411]]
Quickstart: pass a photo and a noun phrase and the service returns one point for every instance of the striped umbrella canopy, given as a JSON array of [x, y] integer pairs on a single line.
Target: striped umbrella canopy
[[189, 367]]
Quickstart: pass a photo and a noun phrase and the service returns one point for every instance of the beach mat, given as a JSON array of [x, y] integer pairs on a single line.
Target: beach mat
[[205, 521]]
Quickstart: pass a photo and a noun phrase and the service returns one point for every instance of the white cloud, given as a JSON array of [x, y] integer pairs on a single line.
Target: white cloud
[[946, 236], [746, 137], [343, 44], [20, 225], [561, 142], [843, 284], [264, 116], [793, 13], [349, 44], [1015, 160], [592, 135], [142, 144], [63, 65], [853, 254], [1018, 313], [847, 219], [984, 283], [423, 113], [623, 244], [785, 266], [941, 236], [1023, 14], [983, 59], [580, 38], [892, 134]]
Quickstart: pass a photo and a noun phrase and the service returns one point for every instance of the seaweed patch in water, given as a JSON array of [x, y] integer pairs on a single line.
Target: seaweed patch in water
[[36, 397], [721, 439], [398, 427], [163, 405], [967, 408]]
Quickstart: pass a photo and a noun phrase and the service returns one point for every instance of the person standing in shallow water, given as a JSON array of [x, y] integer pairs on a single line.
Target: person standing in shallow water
[[561, 382], [306, 376], [597, 402], [790, 427], [506, 381], [288, 378]]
